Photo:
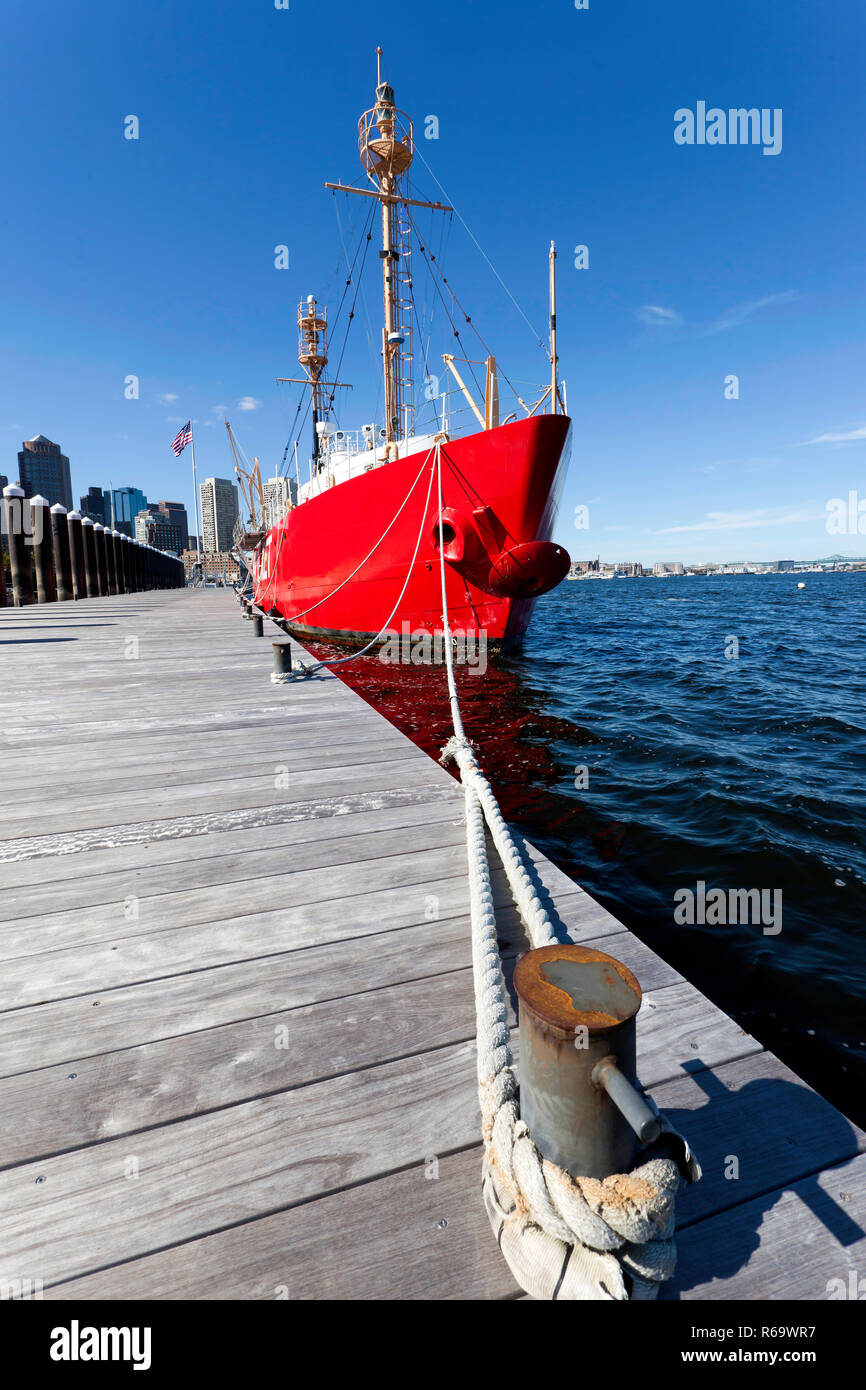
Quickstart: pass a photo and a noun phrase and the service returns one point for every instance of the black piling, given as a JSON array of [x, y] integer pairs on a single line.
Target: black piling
[[19, 548], [60, 551], [76, 555]]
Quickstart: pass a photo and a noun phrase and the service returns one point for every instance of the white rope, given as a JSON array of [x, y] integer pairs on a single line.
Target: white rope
[[563, 1237]]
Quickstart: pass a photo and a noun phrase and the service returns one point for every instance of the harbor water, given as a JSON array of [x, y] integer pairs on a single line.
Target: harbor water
[[663, 738]]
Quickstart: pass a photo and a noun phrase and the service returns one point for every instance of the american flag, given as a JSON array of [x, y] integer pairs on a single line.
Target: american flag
[[182, 438]]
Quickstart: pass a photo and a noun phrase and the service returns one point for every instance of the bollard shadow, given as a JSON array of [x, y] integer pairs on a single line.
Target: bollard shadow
[[782, 1135]]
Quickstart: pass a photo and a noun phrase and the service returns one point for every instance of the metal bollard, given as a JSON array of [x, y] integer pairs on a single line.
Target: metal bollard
[[43, 553], [258, 625], [282, 658], [577, 1060], [60, 550], [20, 562]]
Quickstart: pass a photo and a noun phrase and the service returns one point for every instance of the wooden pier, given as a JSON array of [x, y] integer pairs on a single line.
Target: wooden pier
[[236, 1004]]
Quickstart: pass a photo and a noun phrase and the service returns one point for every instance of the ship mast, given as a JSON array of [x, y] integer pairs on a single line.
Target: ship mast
[[313, 357], [386, 147]]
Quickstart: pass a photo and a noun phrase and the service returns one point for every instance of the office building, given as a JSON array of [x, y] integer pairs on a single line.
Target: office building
[[93, 505], [152, 528], [44, 470], [122, 505], [219, 511], [175, 515]]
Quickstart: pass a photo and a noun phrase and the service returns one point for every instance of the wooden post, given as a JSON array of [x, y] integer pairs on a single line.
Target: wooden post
[[128, 547], [115, 539], [104, 577], [19, 551], [76, 554], [60, 550], [43, 554], [91, 562]]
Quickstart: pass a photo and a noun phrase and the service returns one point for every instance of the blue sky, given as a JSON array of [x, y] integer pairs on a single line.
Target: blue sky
[[155, 257]]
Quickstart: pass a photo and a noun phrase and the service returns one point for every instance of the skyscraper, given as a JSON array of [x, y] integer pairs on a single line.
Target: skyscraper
[[219, 510], [175, 515], [43, 469], [127, 503], [93, 505]]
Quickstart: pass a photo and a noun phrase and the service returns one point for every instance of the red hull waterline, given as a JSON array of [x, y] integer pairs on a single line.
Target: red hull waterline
[[500, 490]]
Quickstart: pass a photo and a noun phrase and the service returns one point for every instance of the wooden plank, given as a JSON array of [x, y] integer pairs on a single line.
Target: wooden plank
[[105, 1020], [31, 856], [155, 886], [124, 960], [275, 1048], [254, 791], [229, 857], [437, 1244], [337, 1247], [756, 1126], [807, 1244], [305, 910], [214, 1170]]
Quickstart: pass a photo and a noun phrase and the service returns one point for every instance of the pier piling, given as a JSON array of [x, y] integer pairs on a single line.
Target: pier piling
[[43, 553], [60, 551], [76, 555], [20, 563], [104, 563], [116, 540], [91, 563]]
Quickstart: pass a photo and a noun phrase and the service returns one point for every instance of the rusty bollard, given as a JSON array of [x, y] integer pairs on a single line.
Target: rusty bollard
[[577, 1060]]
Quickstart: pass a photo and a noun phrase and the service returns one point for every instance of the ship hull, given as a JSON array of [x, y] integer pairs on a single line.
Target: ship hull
[[500, 490]]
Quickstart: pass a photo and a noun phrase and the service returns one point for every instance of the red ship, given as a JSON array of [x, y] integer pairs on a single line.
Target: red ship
[[354, 556]]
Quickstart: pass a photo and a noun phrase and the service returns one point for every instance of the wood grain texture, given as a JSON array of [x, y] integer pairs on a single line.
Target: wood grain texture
[[237, 1018]]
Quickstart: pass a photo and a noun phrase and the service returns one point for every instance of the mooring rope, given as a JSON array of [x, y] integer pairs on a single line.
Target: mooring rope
[[563, 1237]]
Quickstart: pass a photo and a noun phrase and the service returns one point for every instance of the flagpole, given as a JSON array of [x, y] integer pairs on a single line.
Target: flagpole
[[195, 495]]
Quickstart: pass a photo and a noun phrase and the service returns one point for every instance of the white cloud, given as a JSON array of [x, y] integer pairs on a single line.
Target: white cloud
[[248, 403], [166, 397], [732, 318], [654, 314], [219, 410], [844, 438], [741, 521]]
